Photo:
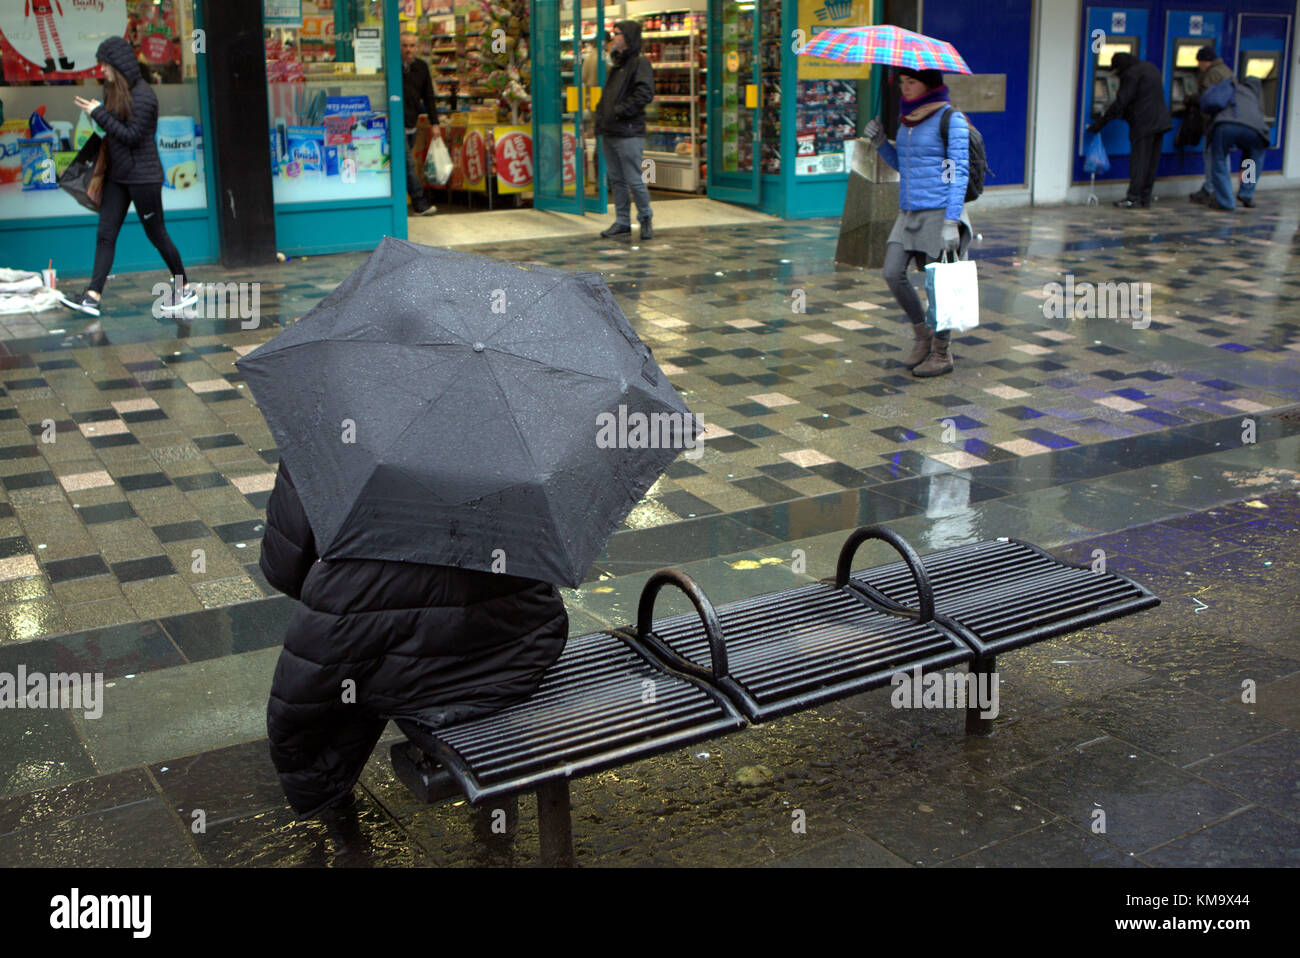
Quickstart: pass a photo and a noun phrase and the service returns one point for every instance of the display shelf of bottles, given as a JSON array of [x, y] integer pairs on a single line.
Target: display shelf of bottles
[[673, 42]]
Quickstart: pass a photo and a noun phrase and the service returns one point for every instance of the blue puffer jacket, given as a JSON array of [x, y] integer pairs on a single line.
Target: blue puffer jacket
[[919, 157]]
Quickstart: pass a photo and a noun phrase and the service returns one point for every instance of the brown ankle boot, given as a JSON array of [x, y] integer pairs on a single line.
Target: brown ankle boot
[[938, 362], [924, 336]]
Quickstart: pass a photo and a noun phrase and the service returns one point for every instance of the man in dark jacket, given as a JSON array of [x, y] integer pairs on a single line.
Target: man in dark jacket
[[1140, 101], [374, 640], [1212, 70], [1238, 126], [418, 97], [620, 122]]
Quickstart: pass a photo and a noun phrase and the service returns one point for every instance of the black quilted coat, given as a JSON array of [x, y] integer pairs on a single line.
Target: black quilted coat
[[374, 640], [132, 152]]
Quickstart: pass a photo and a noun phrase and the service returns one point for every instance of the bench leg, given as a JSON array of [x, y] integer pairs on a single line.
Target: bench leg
[[489, 821], [555, 824], [975, 725]]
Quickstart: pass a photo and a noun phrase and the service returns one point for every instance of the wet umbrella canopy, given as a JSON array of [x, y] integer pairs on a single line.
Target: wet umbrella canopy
[[452, 409]]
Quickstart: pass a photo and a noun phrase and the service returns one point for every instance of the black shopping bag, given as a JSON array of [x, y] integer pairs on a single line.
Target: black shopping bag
[[84, 177]]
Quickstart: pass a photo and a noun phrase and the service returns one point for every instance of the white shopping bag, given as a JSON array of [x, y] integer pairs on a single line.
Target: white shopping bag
[[437, 162], [954, 294]]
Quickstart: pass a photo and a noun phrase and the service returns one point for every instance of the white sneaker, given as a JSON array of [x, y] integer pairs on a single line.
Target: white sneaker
[[180, 299]]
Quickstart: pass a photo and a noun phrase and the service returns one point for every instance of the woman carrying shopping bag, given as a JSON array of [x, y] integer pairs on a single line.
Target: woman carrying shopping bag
[[129, 119], [931, 199]]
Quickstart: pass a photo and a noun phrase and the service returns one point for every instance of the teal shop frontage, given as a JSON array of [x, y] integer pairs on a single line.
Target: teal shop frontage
[[335, 119], [46, 65]]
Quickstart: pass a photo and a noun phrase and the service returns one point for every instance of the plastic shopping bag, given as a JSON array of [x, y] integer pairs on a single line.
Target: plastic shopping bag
[[953, 291], [437, 162], [84, 177], [1095, 159]]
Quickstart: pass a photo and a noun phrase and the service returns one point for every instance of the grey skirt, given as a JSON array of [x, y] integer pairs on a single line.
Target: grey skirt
[[921, 231]]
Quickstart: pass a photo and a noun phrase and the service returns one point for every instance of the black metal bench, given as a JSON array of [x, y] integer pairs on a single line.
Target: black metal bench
[[616, 697]]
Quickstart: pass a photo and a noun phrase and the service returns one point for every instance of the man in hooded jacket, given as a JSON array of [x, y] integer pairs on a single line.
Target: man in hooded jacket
[[1140, 101], [620, 122], [373, 640]]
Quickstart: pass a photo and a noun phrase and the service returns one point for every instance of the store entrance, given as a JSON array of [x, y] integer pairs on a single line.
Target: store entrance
[[517, 84]]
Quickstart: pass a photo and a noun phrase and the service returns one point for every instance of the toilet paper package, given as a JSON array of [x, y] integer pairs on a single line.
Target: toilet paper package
[[176, 138]]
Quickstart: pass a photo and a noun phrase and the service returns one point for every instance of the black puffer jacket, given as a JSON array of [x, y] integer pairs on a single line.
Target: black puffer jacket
[[629, 88], [132, 152], [431, 643]]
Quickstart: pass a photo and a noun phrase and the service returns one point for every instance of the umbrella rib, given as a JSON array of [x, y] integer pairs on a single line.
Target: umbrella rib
[[540, 296]]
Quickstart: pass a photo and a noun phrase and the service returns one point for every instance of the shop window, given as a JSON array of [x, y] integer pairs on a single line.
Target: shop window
[[47, 58], [328, 100]]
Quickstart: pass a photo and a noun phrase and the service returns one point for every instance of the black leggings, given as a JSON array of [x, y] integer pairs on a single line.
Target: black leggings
[[147, 198], [896, 262]]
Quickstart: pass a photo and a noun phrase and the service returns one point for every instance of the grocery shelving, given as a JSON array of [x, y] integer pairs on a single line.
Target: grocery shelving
[[675, 121]]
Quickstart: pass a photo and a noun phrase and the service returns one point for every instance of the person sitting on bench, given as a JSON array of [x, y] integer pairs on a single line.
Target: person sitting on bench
[[373, 640]]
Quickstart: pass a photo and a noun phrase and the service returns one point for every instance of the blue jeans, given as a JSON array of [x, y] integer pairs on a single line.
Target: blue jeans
[[623, 164], [1224, 138]]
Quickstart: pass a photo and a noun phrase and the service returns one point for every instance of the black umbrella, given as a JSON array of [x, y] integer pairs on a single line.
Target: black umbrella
[[453, 409]]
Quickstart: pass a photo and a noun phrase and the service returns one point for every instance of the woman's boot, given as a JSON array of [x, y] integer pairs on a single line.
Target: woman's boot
[[938, 362], [924, 336]]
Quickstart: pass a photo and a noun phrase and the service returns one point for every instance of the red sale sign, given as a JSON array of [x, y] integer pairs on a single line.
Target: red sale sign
[[570, 166], [514, 159], [475, 158]]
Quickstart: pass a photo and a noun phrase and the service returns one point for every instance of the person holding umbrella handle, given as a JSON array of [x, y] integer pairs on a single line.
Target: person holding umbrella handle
[[931, 222]]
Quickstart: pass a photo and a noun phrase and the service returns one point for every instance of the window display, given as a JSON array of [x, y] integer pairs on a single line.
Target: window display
[[827, 116], [327, 97], [47, 52]]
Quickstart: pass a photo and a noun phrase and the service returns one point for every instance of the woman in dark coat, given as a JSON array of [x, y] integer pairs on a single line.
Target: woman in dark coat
[[129, 119], [375, 640]]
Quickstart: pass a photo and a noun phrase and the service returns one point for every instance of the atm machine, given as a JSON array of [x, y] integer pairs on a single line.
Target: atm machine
[[1262, 42], [1186, 31], [1110, 31]]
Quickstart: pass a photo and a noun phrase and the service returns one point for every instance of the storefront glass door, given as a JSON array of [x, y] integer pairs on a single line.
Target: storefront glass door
[[569, 174], [734, 101]]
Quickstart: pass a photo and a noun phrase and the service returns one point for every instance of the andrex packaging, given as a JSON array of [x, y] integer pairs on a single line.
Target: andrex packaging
[[176, 141]]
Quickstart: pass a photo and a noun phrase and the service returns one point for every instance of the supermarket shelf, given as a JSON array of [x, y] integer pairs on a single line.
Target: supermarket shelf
[[667, 129], [673, 65], [677, 98], [667, 33]]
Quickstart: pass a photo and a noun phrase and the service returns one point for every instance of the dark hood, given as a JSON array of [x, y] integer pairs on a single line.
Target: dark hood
[[118, 54], [1122, 61], [631, 36]]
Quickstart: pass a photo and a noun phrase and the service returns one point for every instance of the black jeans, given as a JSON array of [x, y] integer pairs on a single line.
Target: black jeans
[[1143, 158], [147, 198], [896, 260]]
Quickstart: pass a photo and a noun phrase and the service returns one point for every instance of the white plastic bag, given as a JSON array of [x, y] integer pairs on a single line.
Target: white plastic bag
[[437, 162], [954, 295]]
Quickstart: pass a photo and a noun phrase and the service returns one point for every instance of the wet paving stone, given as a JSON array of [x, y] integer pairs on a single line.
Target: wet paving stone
[[1254, 838], [1069, 433]]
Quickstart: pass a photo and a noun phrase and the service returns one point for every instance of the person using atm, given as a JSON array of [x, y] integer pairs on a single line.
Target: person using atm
[[1140, 101], [1212, 71], [1240, 125]]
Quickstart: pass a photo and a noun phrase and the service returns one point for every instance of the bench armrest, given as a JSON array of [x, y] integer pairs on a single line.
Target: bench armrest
[[845, 565], [712, 628]]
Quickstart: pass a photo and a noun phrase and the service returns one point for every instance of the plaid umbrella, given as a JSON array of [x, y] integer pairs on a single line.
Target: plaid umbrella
[[885, 44]]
